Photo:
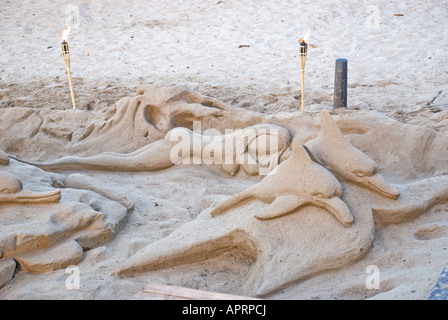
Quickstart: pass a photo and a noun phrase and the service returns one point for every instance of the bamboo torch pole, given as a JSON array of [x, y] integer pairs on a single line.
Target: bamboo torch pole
[[302, 62], [303, 53], [66, 54]]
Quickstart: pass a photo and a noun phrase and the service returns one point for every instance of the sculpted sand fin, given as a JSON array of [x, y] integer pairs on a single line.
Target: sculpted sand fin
[[231, 202], [299, 153], [329, 129], [281, 206]]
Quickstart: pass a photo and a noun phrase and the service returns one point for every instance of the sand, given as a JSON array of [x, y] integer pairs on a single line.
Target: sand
[[243, 54]]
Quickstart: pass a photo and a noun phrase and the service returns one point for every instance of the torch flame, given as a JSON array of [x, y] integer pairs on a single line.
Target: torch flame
[[305, 38], [65, 34]]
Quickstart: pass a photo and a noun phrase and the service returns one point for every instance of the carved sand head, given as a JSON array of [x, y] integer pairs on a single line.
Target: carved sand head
[[4, 159], [11, 192], [345, 161], [9, 183]]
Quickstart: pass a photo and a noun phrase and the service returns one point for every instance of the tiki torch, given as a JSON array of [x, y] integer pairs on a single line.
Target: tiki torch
[[66, 54], [303, 46]]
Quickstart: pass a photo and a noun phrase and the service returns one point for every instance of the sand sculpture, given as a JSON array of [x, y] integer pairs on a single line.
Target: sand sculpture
[[257, 149], [317, 210], [296, 183], [334, 152], [266, 232], [4, 159], [11, 192], [128, 125], [44, 230], [282, 223], [11, 189]]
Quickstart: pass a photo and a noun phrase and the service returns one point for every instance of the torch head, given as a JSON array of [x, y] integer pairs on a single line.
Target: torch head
[[64, 45], [303, 43], [303, 47], [66, 53]]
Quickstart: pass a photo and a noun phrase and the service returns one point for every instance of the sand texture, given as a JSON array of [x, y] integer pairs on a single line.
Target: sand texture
[[344, 192]]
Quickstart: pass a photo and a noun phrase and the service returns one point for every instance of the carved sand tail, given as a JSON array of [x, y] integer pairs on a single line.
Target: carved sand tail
[[185, 246], [154, 156], [297, 182], [11, 192], [345, 161]]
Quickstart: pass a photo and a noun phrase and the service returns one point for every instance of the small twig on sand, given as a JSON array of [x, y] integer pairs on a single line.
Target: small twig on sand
[[434, 99]]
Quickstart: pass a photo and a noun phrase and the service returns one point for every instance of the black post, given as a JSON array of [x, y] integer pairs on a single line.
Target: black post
[[340, 84]]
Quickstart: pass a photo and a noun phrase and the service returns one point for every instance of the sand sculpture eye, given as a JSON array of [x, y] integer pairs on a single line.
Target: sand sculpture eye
[[360, 174]]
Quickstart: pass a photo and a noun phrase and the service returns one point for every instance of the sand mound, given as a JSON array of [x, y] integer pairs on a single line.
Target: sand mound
[[45, 230], [391, 232]]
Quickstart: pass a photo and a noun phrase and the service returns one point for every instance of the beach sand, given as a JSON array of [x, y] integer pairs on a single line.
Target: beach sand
[[244, 54]]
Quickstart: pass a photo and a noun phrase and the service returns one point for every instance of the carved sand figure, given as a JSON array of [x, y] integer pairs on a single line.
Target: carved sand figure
[[257, 149], [4, 159], [282, 222], [316, 211], [266, 232], [416, 198], [46, 231], [333, 151], [297, 182], [11, 192]]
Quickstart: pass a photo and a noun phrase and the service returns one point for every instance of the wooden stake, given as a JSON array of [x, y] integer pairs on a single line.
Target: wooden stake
[[303, 90], [303, 53], [166, 292], [340, 84]]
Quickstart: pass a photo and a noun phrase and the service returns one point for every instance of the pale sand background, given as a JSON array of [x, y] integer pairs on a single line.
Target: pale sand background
[[398, 65], [245, 54]]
